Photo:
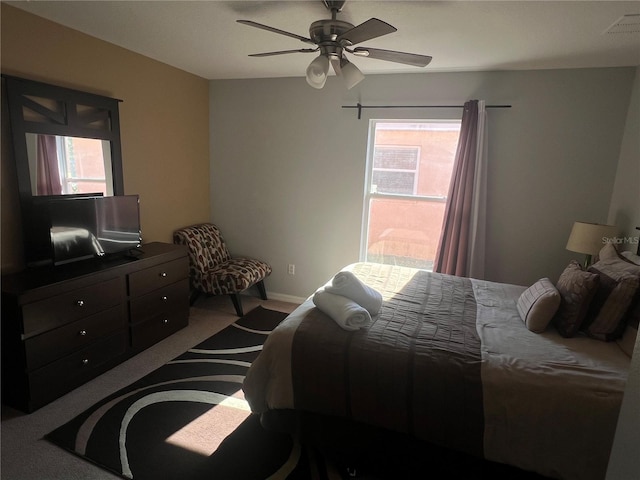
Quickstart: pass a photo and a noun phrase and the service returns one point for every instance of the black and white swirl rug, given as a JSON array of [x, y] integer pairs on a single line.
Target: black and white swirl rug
[[188, 419]]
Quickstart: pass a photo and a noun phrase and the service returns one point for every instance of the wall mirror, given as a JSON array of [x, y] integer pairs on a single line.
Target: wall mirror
[[65, 143], [63, 165]]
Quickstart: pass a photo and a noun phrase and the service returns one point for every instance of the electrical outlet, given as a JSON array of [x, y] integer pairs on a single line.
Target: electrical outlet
[[292, 269]]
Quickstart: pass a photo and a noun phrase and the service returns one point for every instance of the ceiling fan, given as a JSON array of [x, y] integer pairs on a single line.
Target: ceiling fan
[[333, 39]]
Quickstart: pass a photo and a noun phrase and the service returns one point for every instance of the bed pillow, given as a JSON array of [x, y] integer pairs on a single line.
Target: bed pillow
[[538, 304], [617, 295], [576, 288]]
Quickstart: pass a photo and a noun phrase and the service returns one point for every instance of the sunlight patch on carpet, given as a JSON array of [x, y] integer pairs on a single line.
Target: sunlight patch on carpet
[[205, 434], [188, 418], [195, 396]]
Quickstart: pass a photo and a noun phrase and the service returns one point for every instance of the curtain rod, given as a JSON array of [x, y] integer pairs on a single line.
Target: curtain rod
[[360, 107]]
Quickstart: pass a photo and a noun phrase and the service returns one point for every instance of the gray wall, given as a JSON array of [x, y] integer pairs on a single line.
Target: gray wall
[[287, 164], [624, 462], [625, 201]]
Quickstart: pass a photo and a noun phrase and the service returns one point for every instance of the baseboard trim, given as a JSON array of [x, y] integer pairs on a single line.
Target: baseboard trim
[[283, 297]]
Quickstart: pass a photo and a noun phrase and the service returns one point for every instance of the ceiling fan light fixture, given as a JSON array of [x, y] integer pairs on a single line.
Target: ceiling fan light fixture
[[317, 71], [351, 74], [333, 37]]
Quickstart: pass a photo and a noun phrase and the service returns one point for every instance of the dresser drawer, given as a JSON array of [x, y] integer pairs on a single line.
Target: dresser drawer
[[164, 299], [58, 378], [63, 326], [153, 278], [54, 344], [56, 311], [160, 326]]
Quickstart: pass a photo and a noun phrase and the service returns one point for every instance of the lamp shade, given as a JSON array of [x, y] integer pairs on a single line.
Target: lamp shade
[[589, 238], [352, 74], [317, 71]]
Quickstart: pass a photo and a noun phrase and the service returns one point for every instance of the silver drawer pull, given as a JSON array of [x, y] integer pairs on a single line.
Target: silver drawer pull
[[82, 333], [164, 298], [165, 321], [80, 303], [163, 274], [85, 361]]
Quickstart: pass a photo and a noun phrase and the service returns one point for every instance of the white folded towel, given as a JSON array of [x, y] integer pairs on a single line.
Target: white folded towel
[[345, 312], [348, 285]]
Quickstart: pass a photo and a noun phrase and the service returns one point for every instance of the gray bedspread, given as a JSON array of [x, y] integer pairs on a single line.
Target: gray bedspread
[[419, 357], [449, 360]]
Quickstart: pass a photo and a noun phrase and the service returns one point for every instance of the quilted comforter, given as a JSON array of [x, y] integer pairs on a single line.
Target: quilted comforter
[[449, 360]]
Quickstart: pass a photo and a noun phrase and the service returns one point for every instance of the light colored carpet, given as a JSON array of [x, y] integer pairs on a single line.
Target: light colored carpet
[[27, 456]]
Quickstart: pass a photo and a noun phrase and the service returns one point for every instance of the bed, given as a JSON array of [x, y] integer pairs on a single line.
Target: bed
[[449, 360]]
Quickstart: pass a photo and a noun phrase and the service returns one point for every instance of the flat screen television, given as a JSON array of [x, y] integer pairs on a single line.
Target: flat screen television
[[89, 227]]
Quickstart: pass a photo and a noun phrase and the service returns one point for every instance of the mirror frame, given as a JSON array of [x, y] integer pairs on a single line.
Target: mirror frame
[[66, 121], [101, 120]]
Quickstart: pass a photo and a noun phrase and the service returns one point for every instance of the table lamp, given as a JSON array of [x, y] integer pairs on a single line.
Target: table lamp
[[589, 238]]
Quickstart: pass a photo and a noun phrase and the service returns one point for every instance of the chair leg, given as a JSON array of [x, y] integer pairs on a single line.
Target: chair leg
[[237, 303], [262, 290]]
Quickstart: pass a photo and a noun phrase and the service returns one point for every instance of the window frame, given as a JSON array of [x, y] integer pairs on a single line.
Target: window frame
[[369, 195]]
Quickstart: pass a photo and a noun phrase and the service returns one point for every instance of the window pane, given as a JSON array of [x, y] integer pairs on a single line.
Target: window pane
[[404, 232], [414, 159], [84, 166], [393, 182], [84, 158], [395, 158]]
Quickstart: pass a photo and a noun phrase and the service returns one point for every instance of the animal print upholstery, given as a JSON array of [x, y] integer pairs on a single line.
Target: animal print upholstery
[[211, 268]]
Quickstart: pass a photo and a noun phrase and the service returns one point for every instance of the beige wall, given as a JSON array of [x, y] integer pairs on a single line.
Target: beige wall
[[164, 122]]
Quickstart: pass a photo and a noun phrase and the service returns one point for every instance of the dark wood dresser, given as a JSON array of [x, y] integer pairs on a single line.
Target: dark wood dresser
[[62, 326]]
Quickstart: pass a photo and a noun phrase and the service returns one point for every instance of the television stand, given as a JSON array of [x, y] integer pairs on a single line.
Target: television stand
[[62, 326]]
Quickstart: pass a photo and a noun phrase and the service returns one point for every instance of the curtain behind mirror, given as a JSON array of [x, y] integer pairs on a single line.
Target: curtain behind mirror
[[47, 171]]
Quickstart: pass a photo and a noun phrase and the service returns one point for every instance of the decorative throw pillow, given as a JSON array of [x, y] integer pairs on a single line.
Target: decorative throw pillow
[[576, 289], [617, 295], [538, 304]]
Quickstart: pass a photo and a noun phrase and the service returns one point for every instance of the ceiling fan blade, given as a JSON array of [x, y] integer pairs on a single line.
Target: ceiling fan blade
[[275, 30], [283, 52], [372, 28], [393, 56]]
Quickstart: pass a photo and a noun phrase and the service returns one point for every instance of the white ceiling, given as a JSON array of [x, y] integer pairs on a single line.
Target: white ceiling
[[202, 37]]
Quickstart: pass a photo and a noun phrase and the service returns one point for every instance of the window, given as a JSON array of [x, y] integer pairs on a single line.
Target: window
[[408, 173], [82, 165]]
